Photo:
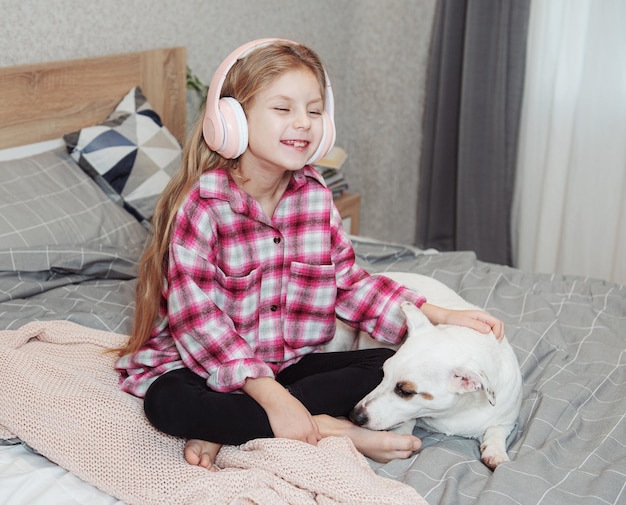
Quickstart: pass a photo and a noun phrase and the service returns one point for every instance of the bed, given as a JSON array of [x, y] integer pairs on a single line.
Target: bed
[[70, 237]]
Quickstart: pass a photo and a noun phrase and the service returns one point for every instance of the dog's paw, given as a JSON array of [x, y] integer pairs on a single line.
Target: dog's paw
[[493, 446], [491, 456]]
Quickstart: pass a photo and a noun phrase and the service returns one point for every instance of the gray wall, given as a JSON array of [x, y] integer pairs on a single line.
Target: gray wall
[[375, 52]]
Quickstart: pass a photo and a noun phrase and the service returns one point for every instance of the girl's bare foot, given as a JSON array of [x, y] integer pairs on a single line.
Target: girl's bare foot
[[381, 446], [201, 453]]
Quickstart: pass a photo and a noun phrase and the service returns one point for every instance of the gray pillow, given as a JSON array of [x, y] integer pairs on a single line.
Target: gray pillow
[[46, 199]]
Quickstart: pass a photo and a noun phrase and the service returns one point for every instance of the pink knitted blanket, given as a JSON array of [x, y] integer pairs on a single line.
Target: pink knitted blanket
[[59, 393]]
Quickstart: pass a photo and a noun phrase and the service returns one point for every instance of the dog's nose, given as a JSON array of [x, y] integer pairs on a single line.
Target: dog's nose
[[359, 416]]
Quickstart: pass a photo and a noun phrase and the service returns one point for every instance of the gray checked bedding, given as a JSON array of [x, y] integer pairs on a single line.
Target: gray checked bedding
[[569, 334]]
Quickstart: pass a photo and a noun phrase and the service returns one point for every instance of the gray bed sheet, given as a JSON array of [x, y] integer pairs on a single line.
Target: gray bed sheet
[[94, 287], [569, 334]]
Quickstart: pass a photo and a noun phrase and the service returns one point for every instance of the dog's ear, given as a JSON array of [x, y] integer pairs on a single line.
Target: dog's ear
[[416, 320], [466, 380]]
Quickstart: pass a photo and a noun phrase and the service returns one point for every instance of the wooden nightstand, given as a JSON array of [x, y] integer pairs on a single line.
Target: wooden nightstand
[[349, 206]]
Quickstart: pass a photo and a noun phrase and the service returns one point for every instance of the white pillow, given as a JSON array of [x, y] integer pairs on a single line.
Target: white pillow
[[24, 151]]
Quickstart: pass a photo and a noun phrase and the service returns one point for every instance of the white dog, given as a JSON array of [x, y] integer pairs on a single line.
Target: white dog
[[450, 379]]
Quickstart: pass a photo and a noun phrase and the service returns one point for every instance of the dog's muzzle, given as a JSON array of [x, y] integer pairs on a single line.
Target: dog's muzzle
[[359, 416]]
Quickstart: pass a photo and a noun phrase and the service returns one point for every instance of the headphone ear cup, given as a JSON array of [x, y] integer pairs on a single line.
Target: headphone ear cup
[[235, 125], [328, 139]]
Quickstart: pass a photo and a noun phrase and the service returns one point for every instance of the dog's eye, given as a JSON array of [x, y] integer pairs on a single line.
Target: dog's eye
[[405, 390]]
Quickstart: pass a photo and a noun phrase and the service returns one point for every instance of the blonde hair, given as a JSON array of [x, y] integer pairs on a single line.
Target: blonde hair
[[244, 81]]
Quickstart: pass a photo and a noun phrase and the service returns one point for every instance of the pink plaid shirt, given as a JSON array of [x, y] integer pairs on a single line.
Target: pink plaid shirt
[[246, 295]]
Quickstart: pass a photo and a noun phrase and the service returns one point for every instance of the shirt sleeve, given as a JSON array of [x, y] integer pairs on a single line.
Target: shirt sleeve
[[205, 335], [370, 303]]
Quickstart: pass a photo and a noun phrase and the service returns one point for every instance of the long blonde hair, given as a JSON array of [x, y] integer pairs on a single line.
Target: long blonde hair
[[245, 79]]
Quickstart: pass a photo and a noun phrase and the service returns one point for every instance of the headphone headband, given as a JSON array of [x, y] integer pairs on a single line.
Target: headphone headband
[[225, 127]]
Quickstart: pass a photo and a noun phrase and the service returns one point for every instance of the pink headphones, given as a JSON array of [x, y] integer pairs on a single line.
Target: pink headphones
[[225, 126]]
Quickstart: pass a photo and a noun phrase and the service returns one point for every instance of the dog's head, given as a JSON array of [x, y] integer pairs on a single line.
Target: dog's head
[[427, 377]]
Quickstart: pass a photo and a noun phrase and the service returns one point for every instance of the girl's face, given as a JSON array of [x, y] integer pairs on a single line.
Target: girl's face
[[285, 123]]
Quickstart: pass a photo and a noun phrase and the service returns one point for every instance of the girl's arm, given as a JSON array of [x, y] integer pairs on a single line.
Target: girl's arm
[[376, 295], [476, 319], [288, 417]]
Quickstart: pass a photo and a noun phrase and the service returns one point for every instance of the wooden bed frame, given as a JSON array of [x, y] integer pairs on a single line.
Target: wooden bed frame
[[44, 101]]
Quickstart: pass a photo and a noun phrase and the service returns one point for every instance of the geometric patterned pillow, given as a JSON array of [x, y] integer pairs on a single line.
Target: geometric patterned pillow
[[131, 155]]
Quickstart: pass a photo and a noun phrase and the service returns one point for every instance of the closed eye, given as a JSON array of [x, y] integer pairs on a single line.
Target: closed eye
[[405, 389]]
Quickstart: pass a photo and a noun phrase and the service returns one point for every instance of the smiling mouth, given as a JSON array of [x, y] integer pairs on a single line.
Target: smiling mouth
[[300, 144]]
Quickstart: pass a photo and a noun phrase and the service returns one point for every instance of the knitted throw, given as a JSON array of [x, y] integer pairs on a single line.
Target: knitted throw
[[59, 394]]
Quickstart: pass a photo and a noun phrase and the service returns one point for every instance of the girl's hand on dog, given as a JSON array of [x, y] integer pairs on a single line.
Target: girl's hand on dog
[[476, 319]]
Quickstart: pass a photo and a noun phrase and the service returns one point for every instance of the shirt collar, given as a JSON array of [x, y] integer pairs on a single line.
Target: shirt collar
[[219, 184]]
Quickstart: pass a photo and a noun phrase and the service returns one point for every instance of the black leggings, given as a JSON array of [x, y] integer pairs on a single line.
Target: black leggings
[[180, 403]]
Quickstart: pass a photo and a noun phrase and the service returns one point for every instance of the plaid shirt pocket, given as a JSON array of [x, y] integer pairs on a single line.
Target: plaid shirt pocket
[[310, 310], [239, 298]]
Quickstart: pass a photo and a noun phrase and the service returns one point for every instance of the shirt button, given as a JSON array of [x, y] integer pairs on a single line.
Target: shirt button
[[274, 308], [277, 240]]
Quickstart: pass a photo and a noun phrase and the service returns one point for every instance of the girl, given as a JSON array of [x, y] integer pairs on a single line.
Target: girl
[[248, 267]]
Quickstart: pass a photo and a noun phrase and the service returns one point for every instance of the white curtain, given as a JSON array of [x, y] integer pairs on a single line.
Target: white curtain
[[569, 209]]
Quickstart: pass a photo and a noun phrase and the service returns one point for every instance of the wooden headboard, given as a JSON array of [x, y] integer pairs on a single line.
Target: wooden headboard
[[45, 101]]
